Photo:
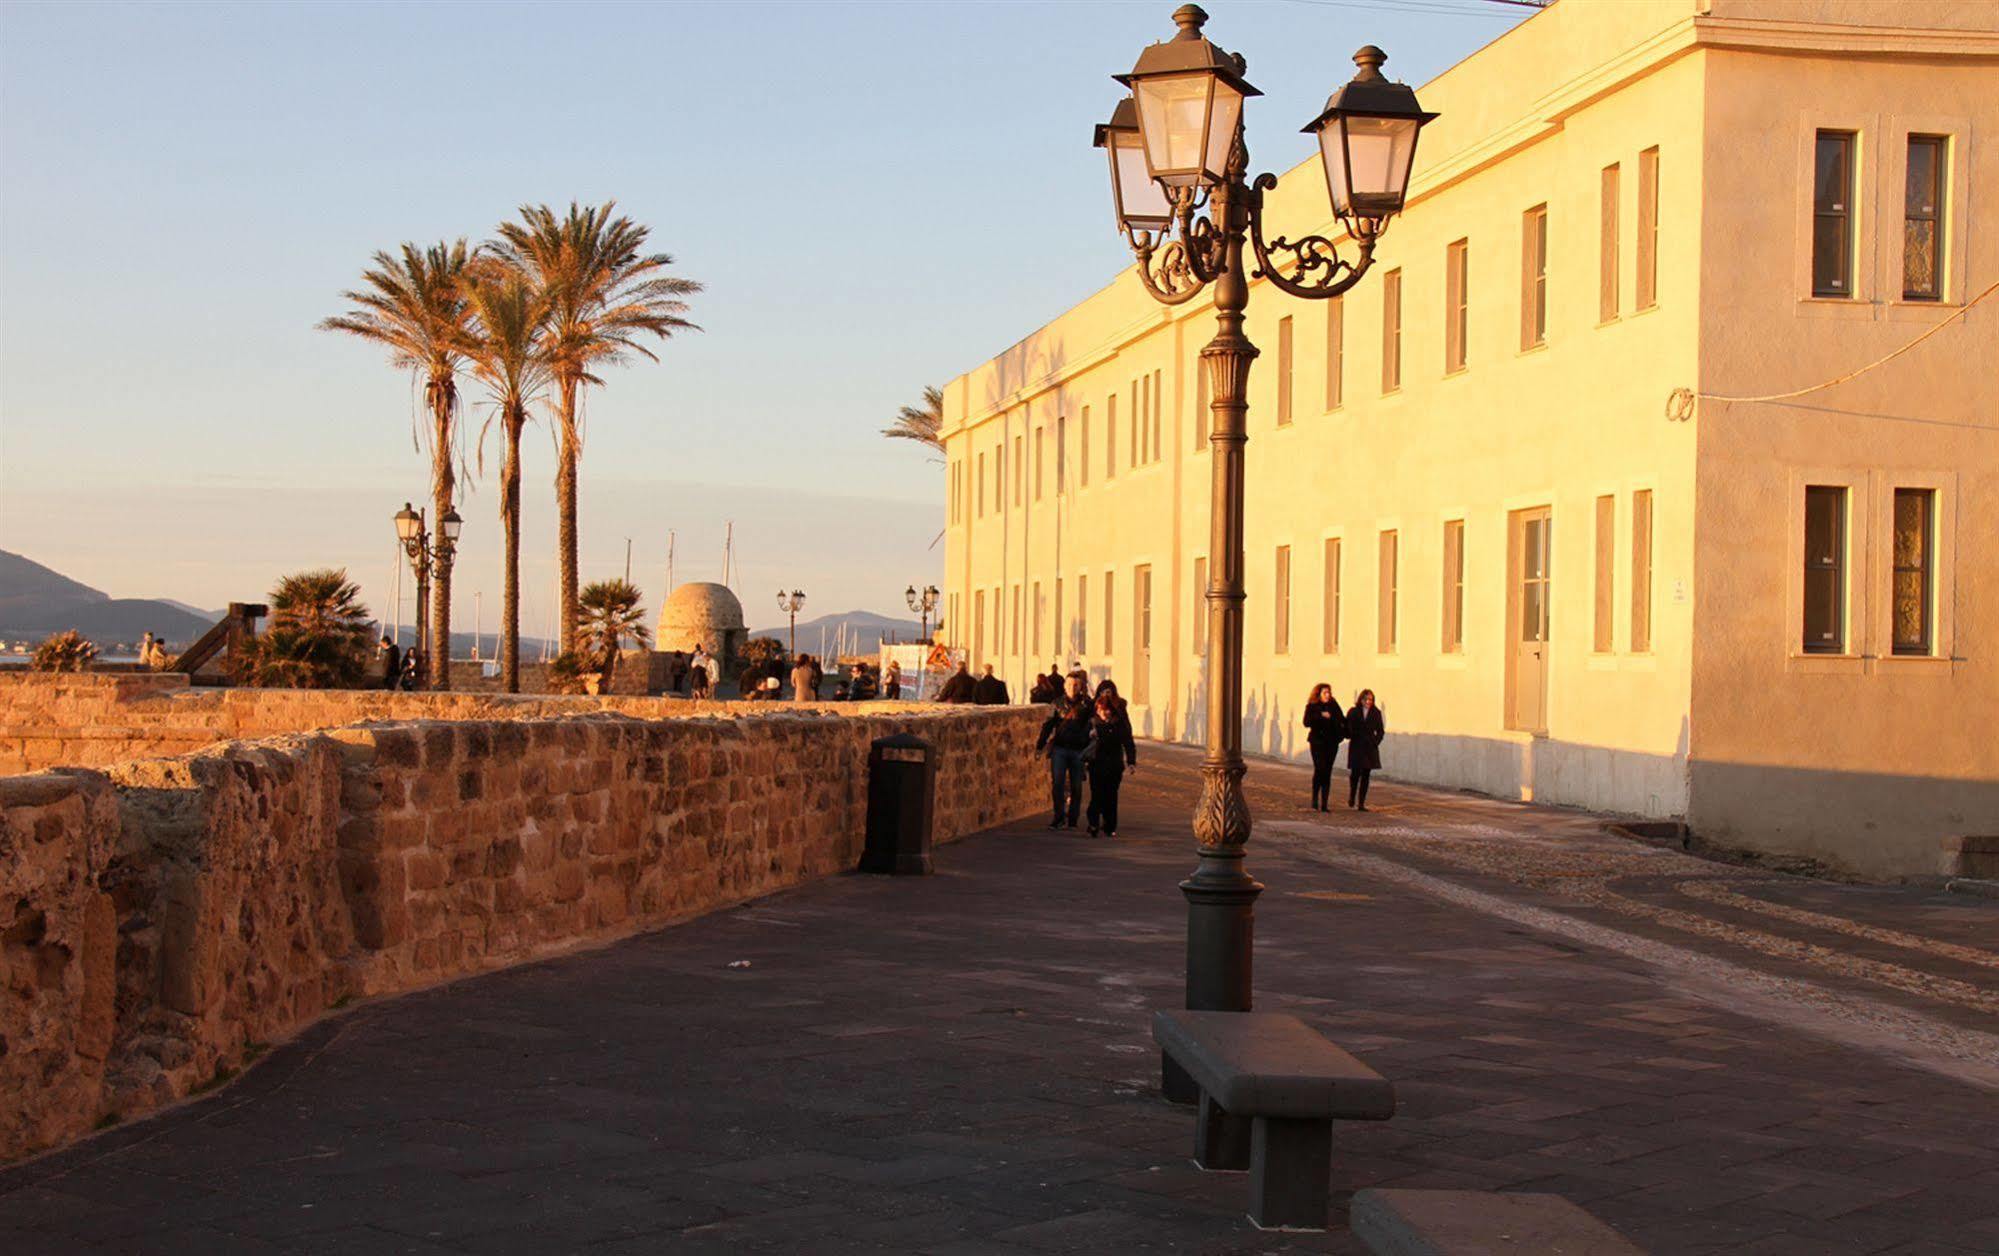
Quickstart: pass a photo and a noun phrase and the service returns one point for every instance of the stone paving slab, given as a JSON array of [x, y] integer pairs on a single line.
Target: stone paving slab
[[962, 1063]]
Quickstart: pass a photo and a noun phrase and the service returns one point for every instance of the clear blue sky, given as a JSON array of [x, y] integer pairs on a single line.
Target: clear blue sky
[[878, 196]]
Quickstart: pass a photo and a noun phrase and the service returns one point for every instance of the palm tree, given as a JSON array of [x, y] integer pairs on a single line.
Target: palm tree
[[610, 616], [414, 305], [507, 352], [923, 424], [318, 635], [604, 293]]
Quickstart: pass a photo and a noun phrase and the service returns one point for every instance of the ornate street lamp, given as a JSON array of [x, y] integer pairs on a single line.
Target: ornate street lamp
[[923, 603], [1187, 95], [410, 530], [790, 604], [424, 555]]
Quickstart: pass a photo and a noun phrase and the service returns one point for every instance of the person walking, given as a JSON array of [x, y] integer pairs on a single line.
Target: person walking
[[892, 682], [1325, 728], [1110, 752], [392, 663], [990, 690], [698, 678], [1365, 731], [412, 676], [1046, 688], [959, 687], [804, 687], [1065, 734]]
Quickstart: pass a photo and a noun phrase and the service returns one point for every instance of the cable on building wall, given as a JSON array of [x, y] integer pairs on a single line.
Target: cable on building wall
[[1680, 402]]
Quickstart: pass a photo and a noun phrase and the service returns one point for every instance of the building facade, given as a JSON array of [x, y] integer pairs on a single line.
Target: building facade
[[1534, 480]]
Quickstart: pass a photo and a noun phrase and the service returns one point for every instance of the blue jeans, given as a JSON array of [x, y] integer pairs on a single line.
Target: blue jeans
[[1065, 783]]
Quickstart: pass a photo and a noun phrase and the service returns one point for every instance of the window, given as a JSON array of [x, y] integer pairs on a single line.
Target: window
[[1385, 607], [1606, 565], [1391, 331], [1915, 561], [978, 626], [1336, 338], [1641, 571], [1083, 451], [1825, 569], [982, 486], [1040, 463], [999, 476], [1331, 628], [1110, 437], [1456, 321], [1283, 370], [1110, 612], [1158, 413], [1015, 638], [1534, 277], [1135, 446], [1019, 468], [1082, 614], [1200, 624], [1454, 586], [1061, 454], [1202, 414], [1040, 609], [1832, 215], [1922, 221], [1141, 610], [1648, 229], [1280, 602], [1606, 283]]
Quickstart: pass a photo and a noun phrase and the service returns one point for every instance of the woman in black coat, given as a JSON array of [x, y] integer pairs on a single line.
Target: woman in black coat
[[1110, 751], [1364, 733], [1325, 728]]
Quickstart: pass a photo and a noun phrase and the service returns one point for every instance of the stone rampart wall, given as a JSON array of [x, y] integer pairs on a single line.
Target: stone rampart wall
[[164, 919], [94, 719]]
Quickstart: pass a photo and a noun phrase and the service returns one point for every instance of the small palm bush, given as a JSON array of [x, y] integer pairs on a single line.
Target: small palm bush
[[609, 616], [65, 651], [319, 635]]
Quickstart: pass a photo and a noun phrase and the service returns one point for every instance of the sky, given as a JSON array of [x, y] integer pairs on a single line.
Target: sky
[[876, 196]]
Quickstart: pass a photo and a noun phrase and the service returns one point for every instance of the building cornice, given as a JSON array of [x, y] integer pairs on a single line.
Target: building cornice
[[1762, 35]]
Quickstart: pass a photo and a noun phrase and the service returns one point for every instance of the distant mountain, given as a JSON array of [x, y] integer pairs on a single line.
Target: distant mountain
[[210, 616], [35, 601], [865, 631]]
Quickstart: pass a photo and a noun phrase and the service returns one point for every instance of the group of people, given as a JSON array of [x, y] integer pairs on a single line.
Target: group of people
[[984, 690], [401, 669], [153, 654], [1086, 734], [1326, 726]]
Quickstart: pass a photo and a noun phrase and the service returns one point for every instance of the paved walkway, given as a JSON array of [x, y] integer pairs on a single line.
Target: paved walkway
[[1708, 1057]]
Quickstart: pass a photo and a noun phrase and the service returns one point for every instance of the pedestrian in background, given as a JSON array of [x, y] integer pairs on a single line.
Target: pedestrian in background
[[392, 663], [804, 685], [1046, 688], [412, 669], [1065, 734], [699, 679], [990, 690], [1110, 752], [1325, 728], [959, 687], [892, 682], [1365, 731]]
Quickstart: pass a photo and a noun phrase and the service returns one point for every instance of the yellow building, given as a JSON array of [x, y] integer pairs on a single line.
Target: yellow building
[[1474, 487]]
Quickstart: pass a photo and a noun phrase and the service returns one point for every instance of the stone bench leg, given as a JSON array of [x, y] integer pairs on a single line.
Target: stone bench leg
[[1290, 1163], [1221, 1140], [1174, 1082]]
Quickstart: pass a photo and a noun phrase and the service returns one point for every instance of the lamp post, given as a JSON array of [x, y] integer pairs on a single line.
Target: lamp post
[[923, 603], [790, 604], [411, 530], [444, 551], [1179, 185]]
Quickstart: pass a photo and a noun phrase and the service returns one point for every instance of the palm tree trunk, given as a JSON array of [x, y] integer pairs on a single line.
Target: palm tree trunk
[[510, 519], [439, 661], [565, 511]]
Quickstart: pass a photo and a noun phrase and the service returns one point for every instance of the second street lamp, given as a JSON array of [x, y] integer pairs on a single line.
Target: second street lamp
[[1186, 102], [923, 603], [791, 603]]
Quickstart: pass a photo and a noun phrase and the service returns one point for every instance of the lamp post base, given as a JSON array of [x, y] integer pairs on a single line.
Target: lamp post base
[[1221, 943]]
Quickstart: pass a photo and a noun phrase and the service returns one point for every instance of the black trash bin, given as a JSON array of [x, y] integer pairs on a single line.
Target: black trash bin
[[902, 792]]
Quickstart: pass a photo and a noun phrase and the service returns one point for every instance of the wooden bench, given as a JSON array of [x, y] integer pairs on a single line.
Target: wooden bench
[[1271, 1088], [1480, 1223]]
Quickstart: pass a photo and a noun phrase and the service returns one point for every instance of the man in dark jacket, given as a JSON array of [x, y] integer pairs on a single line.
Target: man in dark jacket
[[1065, 735], [990, 690], [958, 688], [392, 663], [1046, 688]]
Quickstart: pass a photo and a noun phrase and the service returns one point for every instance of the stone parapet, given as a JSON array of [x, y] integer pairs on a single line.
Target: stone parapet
[[166, 918]]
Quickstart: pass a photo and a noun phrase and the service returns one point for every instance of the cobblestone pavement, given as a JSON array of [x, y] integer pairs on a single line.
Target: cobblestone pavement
[[1708, 1057]]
